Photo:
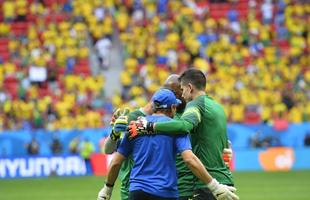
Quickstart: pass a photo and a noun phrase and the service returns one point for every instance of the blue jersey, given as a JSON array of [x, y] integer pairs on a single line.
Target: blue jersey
[[154, 171]]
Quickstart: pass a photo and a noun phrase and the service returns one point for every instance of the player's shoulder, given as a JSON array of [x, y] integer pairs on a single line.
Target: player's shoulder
[[158, 118], [196, 102]]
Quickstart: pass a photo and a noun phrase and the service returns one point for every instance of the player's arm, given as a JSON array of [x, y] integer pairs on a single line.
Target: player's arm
[[110, 146], [111, 143], [118, 123], [106, 192], [123, 151], [220, 191], [195, 165], [189, 120], [114, 168], [183, 146]]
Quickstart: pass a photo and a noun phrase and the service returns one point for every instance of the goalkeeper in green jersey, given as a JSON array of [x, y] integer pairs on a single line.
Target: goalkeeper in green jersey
[[205, 120], [119, 124]]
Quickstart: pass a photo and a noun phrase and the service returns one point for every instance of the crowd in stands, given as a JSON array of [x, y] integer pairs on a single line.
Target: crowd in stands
[[45, 78], [255, 54]]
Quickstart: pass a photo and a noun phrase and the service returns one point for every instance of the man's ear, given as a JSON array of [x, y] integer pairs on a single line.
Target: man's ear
[[173, 108], [191, 87]]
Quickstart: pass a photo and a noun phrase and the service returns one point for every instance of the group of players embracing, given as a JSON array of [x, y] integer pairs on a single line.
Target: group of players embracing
[[174, 148]]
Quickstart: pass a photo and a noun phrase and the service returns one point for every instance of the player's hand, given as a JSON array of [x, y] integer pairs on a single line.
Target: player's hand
[[118, 112], [222, 192], [120, 126], [139, 127], [105, 193], [227, 155]]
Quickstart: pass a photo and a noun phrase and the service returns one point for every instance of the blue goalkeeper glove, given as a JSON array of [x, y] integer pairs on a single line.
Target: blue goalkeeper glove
[[120, 126], [118, 112], [119, 123]]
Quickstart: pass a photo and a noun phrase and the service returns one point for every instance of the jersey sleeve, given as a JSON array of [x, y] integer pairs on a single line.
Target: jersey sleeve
[[125, 147], [192, 114], [183, 143], [173, 127]]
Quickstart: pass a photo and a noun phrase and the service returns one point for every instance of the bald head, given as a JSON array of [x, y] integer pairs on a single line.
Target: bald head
[[172, 79], [172, 83]]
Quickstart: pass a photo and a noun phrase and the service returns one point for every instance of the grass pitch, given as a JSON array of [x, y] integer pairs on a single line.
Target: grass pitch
[[251, 186]]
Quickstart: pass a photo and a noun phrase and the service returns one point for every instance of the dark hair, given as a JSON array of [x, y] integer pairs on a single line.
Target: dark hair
[[195, 77], [166, 111]]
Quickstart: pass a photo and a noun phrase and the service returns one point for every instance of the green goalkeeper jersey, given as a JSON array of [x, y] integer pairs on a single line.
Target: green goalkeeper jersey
[[205, 120], [128, 163]]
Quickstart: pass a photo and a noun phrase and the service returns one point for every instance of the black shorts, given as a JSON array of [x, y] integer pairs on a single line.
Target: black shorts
[[185, 198], [203, 194], [140, 195]]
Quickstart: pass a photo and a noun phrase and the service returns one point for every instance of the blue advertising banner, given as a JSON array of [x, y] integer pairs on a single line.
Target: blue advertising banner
[[272, 159], [24, 167], [13, 143]]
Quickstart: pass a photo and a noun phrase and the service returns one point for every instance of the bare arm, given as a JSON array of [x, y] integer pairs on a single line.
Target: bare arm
[[195, 165], [114, 168], [219, 191], [110, 146]]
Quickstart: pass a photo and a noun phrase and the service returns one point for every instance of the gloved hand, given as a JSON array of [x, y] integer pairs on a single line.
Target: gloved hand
[[222, 192], [118, 112], [139, 127], [105, 193], [227, 155], [120, 126]]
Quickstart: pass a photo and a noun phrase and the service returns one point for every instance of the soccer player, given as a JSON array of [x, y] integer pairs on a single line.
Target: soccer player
[[205, 120], [185, 177], [119, 125], [154, 172]]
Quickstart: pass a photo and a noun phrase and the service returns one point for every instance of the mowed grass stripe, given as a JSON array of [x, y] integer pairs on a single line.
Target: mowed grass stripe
[[251, 186], [293, 185]]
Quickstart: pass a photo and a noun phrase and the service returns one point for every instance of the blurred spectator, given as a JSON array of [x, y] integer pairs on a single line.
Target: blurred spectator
[[74, 145], [287, 99], [307, 140], [258, 140], [32, 147], [86, 150], [21, 9], [103, 47], [8, 10], [56, 146], [255, 140], [267, 11]]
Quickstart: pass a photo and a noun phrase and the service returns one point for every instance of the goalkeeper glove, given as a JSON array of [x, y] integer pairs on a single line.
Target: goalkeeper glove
[[140, 127], [105, 193], [120, 126], [222, 192], [118, 113], [227, 155]]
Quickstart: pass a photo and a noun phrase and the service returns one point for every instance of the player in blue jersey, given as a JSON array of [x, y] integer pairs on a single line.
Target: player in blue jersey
[[154, 175]]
